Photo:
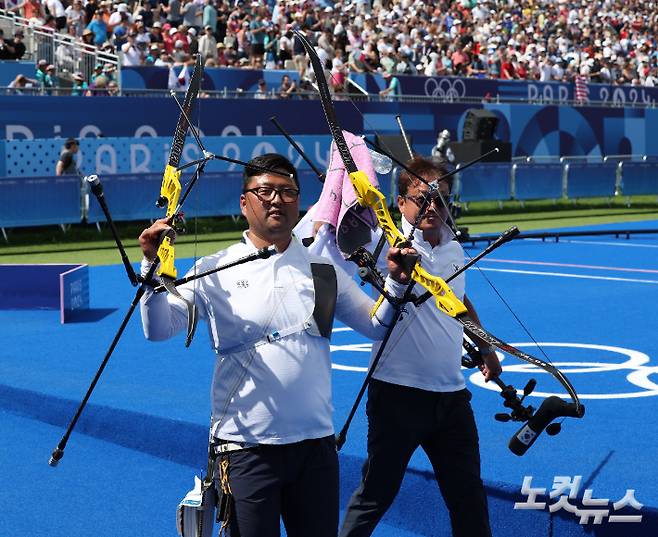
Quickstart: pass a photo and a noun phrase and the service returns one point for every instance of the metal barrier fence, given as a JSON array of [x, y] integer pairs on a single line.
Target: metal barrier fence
[[46, 200], [65, 52], [559, 178]]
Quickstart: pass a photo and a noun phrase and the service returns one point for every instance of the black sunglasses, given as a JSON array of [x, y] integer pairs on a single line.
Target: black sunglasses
[[419, 200]]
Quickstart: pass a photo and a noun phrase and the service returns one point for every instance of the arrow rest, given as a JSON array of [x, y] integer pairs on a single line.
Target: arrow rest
[[178, 223]]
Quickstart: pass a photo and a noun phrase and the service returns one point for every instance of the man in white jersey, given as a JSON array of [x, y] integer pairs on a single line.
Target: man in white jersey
[[418, 396], [269, 323]]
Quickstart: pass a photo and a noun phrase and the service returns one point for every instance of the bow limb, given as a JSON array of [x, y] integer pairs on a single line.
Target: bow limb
[[475, 329], [369, 196], [170, 193]]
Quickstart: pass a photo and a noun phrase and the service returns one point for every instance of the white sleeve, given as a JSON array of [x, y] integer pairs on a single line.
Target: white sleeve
[[324, 245], [353, 306], [163, 315]]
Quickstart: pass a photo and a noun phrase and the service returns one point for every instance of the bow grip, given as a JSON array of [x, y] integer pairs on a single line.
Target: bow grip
[[409, 261], [166, 254]]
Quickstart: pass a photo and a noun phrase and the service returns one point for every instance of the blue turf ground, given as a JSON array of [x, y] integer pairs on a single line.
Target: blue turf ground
[[591, 300]]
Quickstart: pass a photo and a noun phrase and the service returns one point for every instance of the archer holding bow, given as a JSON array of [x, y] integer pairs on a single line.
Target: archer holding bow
[[273, 451], [417, 396]]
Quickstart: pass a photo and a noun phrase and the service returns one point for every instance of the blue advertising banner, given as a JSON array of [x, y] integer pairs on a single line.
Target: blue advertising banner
[[447, 87], [150, 154], [489, 89], [216, 79], [534, 130], [29, 117]]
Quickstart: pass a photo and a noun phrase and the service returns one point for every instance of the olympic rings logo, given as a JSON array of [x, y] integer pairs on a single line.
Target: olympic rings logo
[[636, 363], [445, 88]]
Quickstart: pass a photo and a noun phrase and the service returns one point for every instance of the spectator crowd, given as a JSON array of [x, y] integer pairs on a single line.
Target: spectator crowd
[[609, 41]]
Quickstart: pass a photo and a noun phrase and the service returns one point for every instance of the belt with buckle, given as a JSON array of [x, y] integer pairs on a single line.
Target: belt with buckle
[[226, 446]]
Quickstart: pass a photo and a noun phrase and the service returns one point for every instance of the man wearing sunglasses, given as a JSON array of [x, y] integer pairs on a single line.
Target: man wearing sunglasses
[[418, 397], [269, 324]]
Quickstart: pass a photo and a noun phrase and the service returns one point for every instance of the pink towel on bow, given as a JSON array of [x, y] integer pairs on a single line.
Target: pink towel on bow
[[338, 205]]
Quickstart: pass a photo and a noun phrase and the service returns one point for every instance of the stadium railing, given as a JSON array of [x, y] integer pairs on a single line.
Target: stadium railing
[[63, 51], [554, 177]]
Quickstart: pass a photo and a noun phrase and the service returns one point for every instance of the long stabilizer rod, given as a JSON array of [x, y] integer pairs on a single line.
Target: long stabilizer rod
[[58, 452]]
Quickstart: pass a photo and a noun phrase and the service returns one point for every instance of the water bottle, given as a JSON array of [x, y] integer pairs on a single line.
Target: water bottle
[[382, 163]]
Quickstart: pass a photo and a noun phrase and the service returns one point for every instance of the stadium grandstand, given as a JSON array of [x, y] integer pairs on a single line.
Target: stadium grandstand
[[610, 42], [224, 135]]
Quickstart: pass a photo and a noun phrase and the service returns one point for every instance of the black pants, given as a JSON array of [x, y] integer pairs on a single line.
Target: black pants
[[399, 420], [296, 482]]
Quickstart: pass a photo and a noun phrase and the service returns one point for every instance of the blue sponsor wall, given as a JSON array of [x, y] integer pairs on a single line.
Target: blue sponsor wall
[[457, 88], [129, 138], [9, 70], [532, 129], [148, 154], [490, 88]]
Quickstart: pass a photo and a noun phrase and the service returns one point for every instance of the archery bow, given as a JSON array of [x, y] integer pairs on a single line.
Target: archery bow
[[369, 196], [170, 193]]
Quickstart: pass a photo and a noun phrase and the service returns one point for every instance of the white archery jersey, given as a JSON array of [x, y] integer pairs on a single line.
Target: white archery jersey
[[270, 392], [425, 348]]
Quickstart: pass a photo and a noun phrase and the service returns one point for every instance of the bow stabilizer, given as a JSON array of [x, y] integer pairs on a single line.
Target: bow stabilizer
[[535, 420]]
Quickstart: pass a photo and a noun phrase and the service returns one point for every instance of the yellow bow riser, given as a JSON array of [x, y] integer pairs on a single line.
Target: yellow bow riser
[[369, 196], [170, 192]]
